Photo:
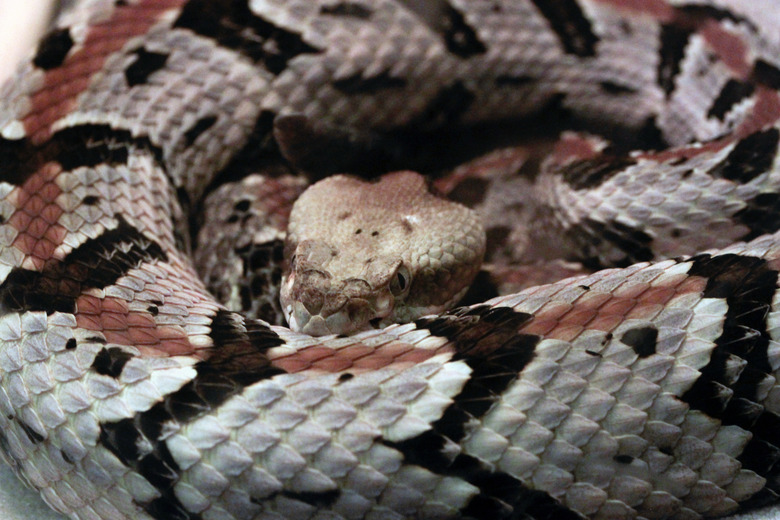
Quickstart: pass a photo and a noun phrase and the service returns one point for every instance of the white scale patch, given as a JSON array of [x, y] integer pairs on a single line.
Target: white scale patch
[[289, 423], [551, 424], [583, 421]]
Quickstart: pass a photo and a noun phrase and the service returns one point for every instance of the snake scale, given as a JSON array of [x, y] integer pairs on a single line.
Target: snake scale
[[644, 391]]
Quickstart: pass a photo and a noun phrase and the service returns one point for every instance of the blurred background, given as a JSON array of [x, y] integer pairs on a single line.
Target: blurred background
[[21, 23]]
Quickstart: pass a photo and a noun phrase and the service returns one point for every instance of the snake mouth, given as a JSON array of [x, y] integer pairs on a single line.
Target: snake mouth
[[375, 323], [356, 315]]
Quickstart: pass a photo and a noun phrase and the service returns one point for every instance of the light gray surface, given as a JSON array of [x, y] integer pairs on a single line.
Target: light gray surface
[[20, 503], [768, 513], [17, 29]]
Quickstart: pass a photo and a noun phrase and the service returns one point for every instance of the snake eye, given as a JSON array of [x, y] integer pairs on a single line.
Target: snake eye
[[401, 281]]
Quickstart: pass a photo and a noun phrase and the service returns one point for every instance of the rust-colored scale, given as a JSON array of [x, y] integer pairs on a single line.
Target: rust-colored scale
[[765, 111], [604, 312], [357, 357], [112, 317], [62, 86], [278, 196], [36, 217], [656, 8], [729, 47], [574, 147]]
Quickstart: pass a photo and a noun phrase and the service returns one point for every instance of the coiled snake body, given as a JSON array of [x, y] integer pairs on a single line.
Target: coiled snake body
[[650, 391]]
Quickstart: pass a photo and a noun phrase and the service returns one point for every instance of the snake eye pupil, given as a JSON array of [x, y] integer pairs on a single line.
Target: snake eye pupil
[[400, 282]]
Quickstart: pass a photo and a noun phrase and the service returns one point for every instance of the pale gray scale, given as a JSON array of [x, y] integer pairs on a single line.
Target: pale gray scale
[[701, 79], [586, 404], [610, 454], [198, 80], [702, 75], [238, 252], [394, 42], [151, 214], [546, 72], [677, 204], [627, 85], [300, 452], [315, 435], [234, 86]]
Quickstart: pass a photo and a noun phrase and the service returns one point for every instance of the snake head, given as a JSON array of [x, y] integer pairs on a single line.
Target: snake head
[[363, 255], [323, 294]]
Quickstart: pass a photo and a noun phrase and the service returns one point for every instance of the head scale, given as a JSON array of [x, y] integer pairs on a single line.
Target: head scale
[[366, 254]]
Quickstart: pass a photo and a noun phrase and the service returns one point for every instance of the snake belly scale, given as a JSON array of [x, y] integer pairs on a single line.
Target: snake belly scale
[[644, 391]]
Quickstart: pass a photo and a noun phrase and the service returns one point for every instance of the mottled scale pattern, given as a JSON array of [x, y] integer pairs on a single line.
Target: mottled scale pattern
[[240, 243], [147, 144]]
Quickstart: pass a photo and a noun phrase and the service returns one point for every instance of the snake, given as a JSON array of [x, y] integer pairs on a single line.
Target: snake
[[418, 255], [646, 387]]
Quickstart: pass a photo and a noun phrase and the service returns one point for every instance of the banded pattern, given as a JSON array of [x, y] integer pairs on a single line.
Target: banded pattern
[[128, 390]]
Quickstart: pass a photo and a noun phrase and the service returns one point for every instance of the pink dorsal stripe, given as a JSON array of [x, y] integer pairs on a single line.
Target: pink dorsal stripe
[[62, 86]]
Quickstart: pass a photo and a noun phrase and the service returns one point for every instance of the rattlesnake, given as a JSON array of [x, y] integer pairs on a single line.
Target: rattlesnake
[[365, 255], [128, 391]]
